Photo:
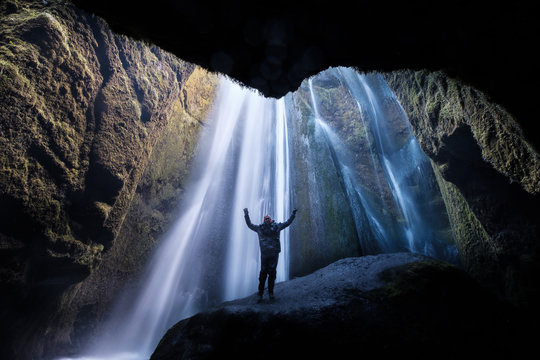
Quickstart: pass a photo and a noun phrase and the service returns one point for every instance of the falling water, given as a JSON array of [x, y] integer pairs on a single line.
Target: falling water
[[407, 169], [243, 162], [407, 172], [262, 185], [210, 255], [369, 225]]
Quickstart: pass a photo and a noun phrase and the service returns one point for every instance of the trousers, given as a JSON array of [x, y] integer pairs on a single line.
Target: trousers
[[268, 269]]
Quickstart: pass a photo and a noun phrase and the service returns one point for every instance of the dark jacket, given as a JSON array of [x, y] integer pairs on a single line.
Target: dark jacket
[[269, 235]]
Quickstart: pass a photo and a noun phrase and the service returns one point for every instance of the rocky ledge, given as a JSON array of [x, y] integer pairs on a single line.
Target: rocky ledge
[[385, 305]]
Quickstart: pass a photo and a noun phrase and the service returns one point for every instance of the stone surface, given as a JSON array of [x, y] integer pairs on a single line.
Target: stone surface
[[386, 305], [489, 175], [275, 45], [84, 113]]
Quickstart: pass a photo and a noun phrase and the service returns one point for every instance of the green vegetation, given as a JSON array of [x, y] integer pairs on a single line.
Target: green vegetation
[[97, 135], [488, 175], [438, 105]]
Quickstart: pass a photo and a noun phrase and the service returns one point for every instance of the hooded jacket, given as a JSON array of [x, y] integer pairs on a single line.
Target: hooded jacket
[[269, 234]]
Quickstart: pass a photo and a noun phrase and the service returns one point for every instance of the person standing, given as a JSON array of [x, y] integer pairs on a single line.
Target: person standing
[[270, 247]]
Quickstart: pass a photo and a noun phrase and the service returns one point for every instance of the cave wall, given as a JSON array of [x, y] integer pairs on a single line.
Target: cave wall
[[480, 45], [275, 45], [150, 213], [331, 225], [324, 230], [86, 119], [97, 134], [489, 175]]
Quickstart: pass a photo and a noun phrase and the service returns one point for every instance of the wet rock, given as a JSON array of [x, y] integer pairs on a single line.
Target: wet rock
[[386, 305]]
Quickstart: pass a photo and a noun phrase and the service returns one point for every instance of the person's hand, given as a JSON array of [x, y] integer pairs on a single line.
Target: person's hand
[[245, 211]]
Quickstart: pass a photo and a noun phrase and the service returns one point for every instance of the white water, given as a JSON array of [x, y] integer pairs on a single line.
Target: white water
[[399, 165], [210, 255], [262, 186], [365, 216], [403, 165]]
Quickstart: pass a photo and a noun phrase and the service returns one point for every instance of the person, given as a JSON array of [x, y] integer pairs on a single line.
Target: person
[[270, 246]]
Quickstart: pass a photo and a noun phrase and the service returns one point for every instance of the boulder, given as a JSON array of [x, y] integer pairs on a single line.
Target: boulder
[[398, 304]]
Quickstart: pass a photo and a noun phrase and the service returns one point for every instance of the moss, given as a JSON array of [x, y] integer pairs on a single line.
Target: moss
[[406, 281], [81, 112], [441, 297], [151, 209], [437, 105], [488, 175], [477, 253], [318, 242], [103, 208], [198, 94]]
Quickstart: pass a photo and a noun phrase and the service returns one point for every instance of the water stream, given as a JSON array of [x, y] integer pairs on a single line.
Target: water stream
[[244, 161], [407, 172], [210, 255]]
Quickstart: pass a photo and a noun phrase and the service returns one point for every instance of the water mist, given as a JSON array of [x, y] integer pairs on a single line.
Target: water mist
[[210, 255], [245, 160]]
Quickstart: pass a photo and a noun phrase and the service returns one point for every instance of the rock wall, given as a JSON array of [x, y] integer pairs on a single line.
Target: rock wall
[[96, 137], [97, 132], [489, 175], [324, 230], [341, 184]]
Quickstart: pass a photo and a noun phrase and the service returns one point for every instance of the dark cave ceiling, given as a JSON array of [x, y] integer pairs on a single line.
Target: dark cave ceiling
[[273, 46]]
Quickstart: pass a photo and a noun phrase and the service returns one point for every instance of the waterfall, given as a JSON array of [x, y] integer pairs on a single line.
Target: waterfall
[[262, 185], [372, 233], [210, 255], [407, 169], [407, 173], [244, 160]]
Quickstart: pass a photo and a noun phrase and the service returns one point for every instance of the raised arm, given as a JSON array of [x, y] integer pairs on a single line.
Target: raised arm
[[248, 221], [289, 221]]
